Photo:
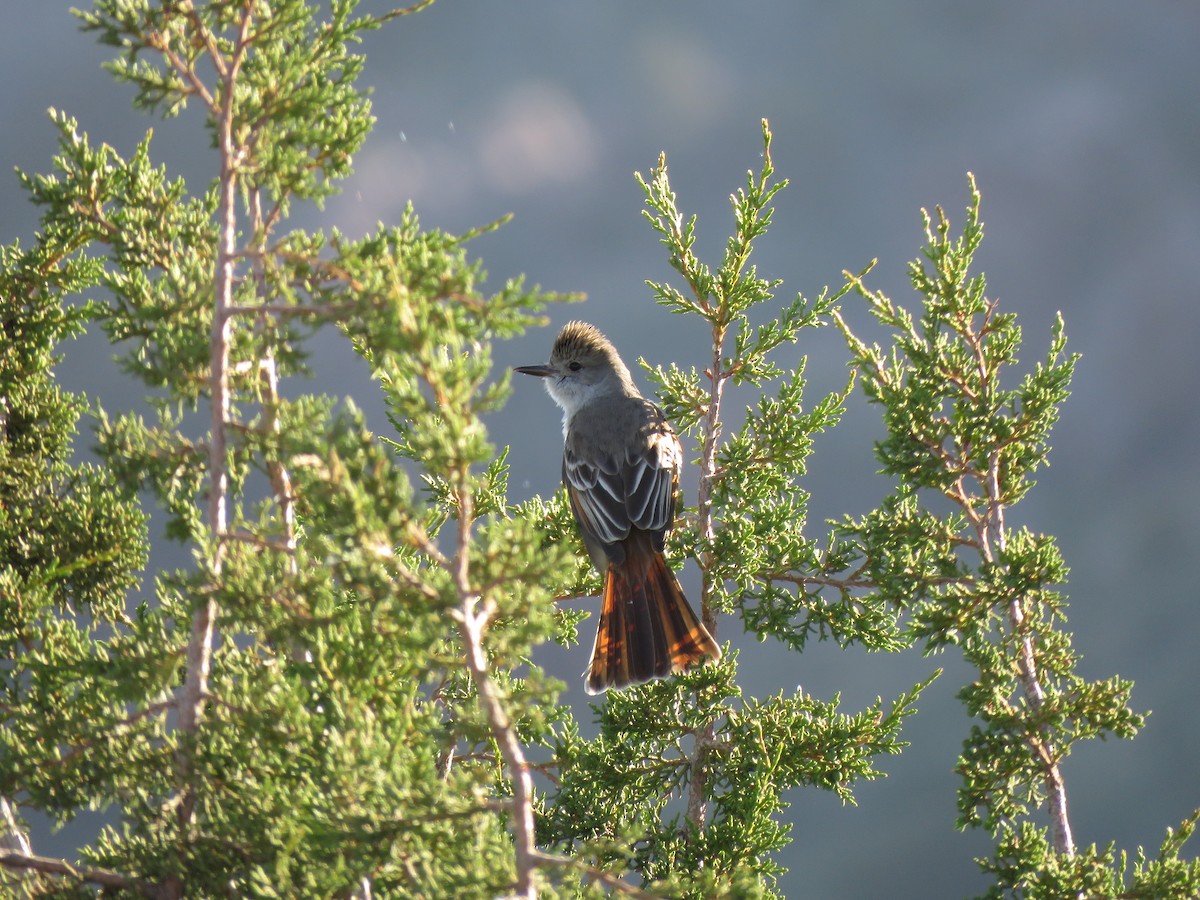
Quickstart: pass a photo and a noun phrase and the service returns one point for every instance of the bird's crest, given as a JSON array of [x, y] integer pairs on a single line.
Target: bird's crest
[[580, 340]]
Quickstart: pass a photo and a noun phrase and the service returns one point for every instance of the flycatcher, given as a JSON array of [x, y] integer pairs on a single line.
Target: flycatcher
[[621, 463]]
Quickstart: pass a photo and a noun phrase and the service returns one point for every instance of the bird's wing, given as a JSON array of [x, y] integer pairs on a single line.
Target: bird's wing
[[597, 494], [632, 488]]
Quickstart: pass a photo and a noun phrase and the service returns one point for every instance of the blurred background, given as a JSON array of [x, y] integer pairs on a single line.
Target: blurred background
[[1079, 120]]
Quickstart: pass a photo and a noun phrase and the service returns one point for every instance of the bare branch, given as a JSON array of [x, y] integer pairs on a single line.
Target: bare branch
[[472, 620], [405, 10], [105, 878], [696, 807], [184, 68], [993, 540], [11, 835], [199, 657]]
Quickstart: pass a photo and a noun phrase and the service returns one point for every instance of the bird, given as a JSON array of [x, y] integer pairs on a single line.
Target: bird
[[621, 463]]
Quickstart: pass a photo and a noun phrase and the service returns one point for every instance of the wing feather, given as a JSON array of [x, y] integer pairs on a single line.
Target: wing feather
[[612, 494]]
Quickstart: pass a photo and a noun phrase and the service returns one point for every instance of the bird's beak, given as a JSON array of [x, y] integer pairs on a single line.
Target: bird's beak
[[539, 371]]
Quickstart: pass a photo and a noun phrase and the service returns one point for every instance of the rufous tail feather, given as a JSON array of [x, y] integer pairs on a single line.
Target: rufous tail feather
[[647, 628]]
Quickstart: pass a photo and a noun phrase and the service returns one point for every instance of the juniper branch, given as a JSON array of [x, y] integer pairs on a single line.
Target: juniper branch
[[472, 617], [199, 660], [104, 878]]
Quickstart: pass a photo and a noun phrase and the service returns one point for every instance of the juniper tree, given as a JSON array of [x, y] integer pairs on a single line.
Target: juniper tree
[[961, 428], [341, 696], [338, 696], [684, 782], [297, 713], [71, 544]]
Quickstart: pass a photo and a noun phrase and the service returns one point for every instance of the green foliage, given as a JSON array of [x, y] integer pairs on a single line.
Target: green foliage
[[71, 544], [684, 783], [340, 696], [338, 738], [960, 431], [757, 559], [1026, 865], [162, 243], [621, 790]]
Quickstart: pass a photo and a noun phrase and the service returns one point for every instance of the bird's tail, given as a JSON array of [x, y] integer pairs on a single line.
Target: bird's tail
[[647, 628]]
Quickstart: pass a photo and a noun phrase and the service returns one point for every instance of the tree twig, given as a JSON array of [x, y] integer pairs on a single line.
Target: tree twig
[[12, 837], [1040, 741], [105, 878], [993, 542], [472, 618], [199, 658], [405, 10]]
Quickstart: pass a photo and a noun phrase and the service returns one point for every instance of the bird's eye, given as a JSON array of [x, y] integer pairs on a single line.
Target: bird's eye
[[575, 367]]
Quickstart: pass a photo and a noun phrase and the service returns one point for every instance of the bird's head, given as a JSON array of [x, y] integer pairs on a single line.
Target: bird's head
[[583, 366]]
